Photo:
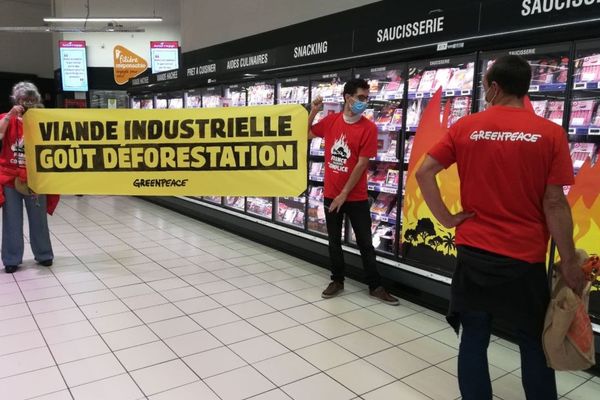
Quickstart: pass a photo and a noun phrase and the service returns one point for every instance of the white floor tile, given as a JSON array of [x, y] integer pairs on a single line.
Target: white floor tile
[[397, 363], [158, 313], [234, 332], [248, 383], [68, 332], [297, 337], [98, 310], [91, 369], [276, 394], [364, 318], [251, 309], [214, 362], [192, 343], [161, 377], [587, 391], [306, 313], [25, 361], [133, 290], [192, 391], [283, 301], [508, 387], [197, 304], [264, 290], [20, 387], [120, 387], [318, 386], [21, 342], [232, 297], [145, 300], [272, 322], [174, 327], [61, 395], [423, 323], [79, 349], [445, 387], [429, 350], [129, 337], [14, 311], [182, 293], [216, 317], [337, 305], [145, 355], [326, 355], [17, 325], [258, 349], [116, 322], [396, 390], [58, 303], [360, 376], [332, 327], [99, 296], [285, 368]]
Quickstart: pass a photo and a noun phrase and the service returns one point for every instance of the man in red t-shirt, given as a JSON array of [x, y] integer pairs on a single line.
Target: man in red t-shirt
[[350, 141], [512, 166]]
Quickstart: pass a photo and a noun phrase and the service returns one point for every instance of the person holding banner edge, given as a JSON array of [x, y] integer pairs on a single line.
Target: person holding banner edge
[[350, 141], [512, 166], [13, 176]]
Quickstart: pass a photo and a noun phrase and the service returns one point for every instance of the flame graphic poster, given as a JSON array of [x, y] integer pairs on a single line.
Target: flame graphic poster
[[424, 239], [584, 199]]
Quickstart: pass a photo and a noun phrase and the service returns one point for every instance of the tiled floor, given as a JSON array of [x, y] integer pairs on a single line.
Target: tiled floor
[[143, 303]]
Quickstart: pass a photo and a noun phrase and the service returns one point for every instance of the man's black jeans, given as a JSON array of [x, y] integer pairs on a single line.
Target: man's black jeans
[[360, 217]]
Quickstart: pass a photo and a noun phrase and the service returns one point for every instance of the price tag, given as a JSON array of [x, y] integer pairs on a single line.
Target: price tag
[[594, 131], [371, 187], [466, 92], [580, 85], [534, 88], [419, 95]]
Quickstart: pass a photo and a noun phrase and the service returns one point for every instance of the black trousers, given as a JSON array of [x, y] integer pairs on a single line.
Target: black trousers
[[360, 218]]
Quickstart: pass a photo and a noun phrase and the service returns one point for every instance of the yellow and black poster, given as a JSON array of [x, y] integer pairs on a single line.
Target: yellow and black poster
[[424, 239], [237, 151]]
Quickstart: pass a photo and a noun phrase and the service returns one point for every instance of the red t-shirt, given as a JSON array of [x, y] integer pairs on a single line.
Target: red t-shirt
[[344, 144], [13, 149], [506, 157]]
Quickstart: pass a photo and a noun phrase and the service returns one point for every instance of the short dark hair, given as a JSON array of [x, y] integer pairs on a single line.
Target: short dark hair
[[353, 85], [512, 74]]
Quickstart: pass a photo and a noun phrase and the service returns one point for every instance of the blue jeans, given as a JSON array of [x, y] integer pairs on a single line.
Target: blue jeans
[[538, 379], [12, 227]]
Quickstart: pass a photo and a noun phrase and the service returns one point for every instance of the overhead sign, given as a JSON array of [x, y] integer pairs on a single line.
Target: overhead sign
[[250, 61], [237, 151], [506, 15], [315, 50], [164, 55], [73, 65], [127, 64]]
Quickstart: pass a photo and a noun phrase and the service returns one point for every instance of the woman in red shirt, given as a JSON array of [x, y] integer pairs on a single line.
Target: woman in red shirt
[[25, 95]]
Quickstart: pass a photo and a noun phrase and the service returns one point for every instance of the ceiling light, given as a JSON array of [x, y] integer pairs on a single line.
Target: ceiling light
[[46, 29], [103, 19]]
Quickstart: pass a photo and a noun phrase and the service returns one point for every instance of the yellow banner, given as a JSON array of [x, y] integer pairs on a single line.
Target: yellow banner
[[236, 151]]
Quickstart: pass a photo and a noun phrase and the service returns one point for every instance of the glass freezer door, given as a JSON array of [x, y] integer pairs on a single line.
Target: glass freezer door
[[292, 210], [234, 96], [260, 94]]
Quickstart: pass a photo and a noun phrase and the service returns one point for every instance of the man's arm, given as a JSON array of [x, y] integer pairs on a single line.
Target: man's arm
[[431, 193], [359, 169], [560, 226], [315, 107]]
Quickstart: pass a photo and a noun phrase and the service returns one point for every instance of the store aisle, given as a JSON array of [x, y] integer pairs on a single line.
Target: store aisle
[[145, 303]]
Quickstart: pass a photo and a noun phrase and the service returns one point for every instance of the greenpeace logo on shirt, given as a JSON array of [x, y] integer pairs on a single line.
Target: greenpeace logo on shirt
[[495, 136]]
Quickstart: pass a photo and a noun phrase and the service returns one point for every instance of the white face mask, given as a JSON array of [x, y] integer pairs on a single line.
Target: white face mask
[[490, 102]]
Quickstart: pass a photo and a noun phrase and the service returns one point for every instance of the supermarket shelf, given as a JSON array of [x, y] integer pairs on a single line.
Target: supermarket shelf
[[293, 101], [317, 153], [584, 130], [292, 224], [291, 200], [586, 85], [385, 158], [383, 218], [387, 96], [333, 99], [548, 87], [315, 178], [584, 138], [382, 188], [445, 93], [388, 127]]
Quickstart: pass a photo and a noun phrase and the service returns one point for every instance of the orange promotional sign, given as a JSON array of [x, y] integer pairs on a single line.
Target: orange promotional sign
[[127, 64]]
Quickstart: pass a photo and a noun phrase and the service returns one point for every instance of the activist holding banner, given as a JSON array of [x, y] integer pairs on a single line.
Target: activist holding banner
[[350, 141], [13, 179], [512, 166]]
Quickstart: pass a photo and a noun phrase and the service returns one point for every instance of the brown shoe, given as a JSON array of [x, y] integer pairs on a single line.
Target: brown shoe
[[333, 290], [381, 294]]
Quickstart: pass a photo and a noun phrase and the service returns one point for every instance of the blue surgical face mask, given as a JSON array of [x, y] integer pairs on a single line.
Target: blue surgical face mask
[[358, 107]]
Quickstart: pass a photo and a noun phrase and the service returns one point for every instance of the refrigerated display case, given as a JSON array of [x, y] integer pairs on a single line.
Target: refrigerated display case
[[454, 75], [292, 210], [136, 103], [161, 103], [549, 76], [259, 94], [234, 96], [147, 103], [193, 99], [212, 97], [386, 110]]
